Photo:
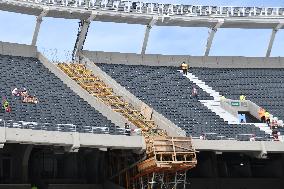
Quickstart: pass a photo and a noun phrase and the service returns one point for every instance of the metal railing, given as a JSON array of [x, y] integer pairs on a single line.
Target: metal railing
[[68, 128]]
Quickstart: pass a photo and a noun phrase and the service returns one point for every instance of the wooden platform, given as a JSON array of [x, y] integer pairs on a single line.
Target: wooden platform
[[169, 153]]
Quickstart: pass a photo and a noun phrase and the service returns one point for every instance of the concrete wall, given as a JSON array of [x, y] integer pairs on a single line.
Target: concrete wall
[[15, 49], [27, 136], [38, 137], [238, 146], [176, 60], [159, 119], [115, 117], [245, 106]]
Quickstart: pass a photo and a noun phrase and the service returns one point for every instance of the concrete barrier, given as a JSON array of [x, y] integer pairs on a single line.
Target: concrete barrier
[[176, 60], [90, 140], [244, 106], [14, 49]]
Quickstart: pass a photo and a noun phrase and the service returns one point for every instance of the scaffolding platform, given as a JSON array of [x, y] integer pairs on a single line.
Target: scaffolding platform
[[167, 158], [169, 153]]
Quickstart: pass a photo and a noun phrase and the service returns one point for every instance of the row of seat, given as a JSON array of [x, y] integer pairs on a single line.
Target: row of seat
[[265, 87], [262, 86], [58, 104], [167, 91]]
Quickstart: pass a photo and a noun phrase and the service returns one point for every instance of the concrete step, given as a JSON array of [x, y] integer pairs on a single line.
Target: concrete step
[[201, 84], [214, 105], [264, 127]]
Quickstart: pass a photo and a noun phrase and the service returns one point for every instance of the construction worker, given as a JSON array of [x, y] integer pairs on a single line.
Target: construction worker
[[127, 129], [267, 118], [275, 134], [242, 97], [184, 68], [261, 113], [6, 105], [15, 92], [222, 98], [194, 92]]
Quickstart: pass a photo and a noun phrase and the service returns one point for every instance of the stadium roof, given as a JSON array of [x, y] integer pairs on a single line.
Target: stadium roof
[[232, 17], [151, 14]]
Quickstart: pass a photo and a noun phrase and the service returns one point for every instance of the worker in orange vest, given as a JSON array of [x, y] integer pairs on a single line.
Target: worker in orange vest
[[261, 113]]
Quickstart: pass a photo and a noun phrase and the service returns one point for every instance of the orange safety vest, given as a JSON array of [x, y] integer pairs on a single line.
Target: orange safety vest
[[261, 113]]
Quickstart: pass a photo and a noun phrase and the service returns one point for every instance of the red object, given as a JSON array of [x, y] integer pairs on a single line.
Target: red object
[[8, 109]]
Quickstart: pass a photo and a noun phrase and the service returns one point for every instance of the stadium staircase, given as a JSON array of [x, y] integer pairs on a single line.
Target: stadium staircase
[[166, 156], [215, 105]]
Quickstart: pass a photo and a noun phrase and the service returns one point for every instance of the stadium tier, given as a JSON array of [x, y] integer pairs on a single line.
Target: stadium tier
[[262, 86], [59, 108], [170, 93], [110, 120]]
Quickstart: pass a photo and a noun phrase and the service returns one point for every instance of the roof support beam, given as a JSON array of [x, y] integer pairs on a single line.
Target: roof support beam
[[83, 33], [38, 23], [211, 36], [147, 33], [272, 37]]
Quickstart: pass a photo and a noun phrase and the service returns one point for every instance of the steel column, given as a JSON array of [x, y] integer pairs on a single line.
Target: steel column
[[147, 33], [211, 36], [38, 23], [272, 38]]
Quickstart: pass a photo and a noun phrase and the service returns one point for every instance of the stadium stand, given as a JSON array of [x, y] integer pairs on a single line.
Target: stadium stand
[[262, 86], [168, 92], [59, 108], [86, 105]]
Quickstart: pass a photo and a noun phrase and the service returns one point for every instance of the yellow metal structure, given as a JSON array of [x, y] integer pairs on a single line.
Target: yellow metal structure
[[165, 155], [96, 87]]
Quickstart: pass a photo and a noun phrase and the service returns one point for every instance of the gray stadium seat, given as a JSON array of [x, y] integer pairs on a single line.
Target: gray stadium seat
[[168, 92], [58, 104]]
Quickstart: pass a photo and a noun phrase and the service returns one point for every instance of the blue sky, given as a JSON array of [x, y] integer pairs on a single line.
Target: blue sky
[[60, 34]]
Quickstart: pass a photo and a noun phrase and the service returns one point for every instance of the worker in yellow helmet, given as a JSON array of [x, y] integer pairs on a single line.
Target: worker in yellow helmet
[[267, 118], [222, 98], [242, 97], [184, 68]]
